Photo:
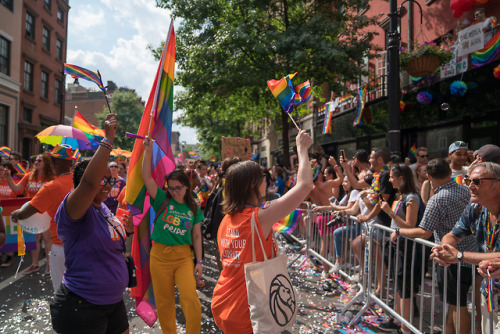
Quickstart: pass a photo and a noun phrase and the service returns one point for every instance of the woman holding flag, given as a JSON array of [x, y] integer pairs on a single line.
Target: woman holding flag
[[244, 189], [175, 229]]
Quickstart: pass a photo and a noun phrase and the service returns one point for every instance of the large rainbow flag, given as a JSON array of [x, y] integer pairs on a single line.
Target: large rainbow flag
[[284, 92], [358, 117], [488, 53], [289, 223], [157, 119]]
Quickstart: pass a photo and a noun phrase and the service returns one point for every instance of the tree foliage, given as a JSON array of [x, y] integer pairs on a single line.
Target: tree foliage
[[129, 109], [227, 50]]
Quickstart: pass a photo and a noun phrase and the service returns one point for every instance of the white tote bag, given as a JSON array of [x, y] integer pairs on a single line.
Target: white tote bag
[[271, 297]]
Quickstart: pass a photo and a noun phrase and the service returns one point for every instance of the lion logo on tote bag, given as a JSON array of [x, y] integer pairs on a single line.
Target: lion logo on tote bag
[[282, 300]]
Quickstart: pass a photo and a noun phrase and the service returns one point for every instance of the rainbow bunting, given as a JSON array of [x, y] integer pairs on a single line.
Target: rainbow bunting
[[304, 91], [157, 117], [283, 90], [20, 169], [344, 100], [81, 123], [413, 151], [5, 151], [321, 110], [459, 179], [358, 117], [327, 125], [80, 72], [289, 223], [488, 53]]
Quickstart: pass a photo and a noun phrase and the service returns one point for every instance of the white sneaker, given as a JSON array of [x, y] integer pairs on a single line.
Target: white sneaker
[[356, 268], [335, 268], [356, 278], [325, 274]]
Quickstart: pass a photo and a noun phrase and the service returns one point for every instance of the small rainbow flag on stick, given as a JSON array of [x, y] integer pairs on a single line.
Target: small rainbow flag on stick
[[20, 169], [289, 223], [83, 73], [459, 179], [5, 151], [413, 151], [305, 92]]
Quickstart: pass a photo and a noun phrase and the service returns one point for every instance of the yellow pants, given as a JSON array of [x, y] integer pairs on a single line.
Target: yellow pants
[[173, 266]]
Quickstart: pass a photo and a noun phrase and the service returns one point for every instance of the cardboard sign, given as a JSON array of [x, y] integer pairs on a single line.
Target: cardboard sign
[[456, 66], [10, 205], [470, 39], [236, 147]]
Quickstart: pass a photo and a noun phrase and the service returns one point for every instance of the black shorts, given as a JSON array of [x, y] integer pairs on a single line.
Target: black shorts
[[71, 313], [451, 289]]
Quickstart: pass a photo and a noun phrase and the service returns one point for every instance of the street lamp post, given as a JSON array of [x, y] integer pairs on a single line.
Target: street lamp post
[[393, 84]]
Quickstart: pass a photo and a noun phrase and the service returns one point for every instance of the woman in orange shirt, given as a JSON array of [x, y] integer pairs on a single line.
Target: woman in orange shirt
[[40, 173], [244, 189]]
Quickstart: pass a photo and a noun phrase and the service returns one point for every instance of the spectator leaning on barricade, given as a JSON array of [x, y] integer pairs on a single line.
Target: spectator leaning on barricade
[[457, 153], [481, 219], [442, 212], [421, 155], [47, 199]]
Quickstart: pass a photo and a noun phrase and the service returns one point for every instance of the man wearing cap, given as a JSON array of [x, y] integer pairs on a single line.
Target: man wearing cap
[[489, 153], [48, 199], [457, 152]]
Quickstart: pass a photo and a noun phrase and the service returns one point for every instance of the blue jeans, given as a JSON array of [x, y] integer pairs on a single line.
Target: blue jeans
[[348, 231]]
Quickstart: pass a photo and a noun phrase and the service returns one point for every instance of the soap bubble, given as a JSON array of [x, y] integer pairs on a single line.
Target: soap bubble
[[445, 106]]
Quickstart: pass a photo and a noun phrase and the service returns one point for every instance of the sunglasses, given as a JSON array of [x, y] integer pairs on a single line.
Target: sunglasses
[[105, 180], [423, 156], [38, 160], [174, 189], [113, 166], [460, 144], [477, 182]]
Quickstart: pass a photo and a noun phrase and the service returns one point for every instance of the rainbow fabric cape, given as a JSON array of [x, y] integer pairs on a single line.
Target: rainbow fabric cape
[[488, 53], [305, 92], [158, 111], [83, 73], [358, 117], [289, 223], [284, 92], [413, 151]]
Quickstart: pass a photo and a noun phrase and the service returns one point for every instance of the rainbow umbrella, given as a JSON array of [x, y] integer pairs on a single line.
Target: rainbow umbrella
[[64, 134]]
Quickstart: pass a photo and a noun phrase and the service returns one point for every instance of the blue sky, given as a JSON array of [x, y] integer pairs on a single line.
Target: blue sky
[[112, 37]]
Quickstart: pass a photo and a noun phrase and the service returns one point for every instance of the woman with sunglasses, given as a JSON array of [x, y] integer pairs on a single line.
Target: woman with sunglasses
[[112, 200], [176, 228], [90, 298], [405, 212], [40, 173]]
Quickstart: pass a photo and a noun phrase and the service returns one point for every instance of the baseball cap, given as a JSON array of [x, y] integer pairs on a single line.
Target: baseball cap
[[457, 145], [488, 152]]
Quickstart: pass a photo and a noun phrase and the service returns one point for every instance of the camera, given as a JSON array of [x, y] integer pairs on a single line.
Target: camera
[[336, 220]]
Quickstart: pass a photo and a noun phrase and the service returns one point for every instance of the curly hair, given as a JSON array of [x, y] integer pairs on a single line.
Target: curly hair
[[79, 169], [47, 171]]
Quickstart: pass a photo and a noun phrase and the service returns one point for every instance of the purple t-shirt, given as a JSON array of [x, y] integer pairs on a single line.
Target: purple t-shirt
[[95, 266], [112, 200]]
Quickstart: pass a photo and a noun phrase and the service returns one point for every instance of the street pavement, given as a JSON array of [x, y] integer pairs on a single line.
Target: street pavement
[[25, 301]]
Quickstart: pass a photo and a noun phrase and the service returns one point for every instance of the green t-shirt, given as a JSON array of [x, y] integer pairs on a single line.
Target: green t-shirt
[[173, 227]]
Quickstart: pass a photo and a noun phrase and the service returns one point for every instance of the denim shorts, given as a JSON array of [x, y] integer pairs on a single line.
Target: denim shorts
[[71, 313]]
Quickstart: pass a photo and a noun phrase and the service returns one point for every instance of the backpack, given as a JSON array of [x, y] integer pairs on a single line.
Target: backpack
[[213, 214]]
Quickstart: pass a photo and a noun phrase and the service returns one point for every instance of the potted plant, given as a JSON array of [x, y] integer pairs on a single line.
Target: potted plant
[[424, 59]]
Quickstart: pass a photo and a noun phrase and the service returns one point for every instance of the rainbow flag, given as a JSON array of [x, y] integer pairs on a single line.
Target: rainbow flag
[[321, 110], [5, 151], [289, 183], [193, 155], [283, 90], [212, 159], [395, 206], [413, 151], [158, 111], [327, 125], [459, 179], [200, 197], [358, 117], [80, 72], [289, 223], [81, 123], [20, 169], [488, 53], [304, 91]]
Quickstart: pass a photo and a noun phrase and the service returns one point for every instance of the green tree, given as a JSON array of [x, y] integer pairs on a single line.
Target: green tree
[[129, 109], [227, 50]]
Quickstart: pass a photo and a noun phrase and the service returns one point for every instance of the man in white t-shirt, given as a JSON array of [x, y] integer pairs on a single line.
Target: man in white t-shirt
[[421, 155], [457, 152], [487, 23]]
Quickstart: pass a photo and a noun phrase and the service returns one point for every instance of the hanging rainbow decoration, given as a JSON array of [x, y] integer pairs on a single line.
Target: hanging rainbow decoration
[[327, 125], [488, 53], [358, 117]]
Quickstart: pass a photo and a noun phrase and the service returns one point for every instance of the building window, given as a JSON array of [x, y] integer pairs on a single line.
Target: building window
[[44, 92], [60, 15], [4, 130], [9, 4], [30, 25], [28, 115], [57, 97], [46, 39], [4, 56], [28, 76], [47, 4], [59, 49]]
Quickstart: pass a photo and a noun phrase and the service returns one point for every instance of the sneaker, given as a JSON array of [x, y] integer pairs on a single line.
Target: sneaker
[[325, 274], [9, 261], [30, 270], [356, 278], [389, 326], [335, 268]]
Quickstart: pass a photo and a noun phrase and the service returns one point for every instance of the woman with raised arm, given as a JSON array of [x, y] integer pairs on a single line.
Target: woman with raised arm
[[176, 228], [90, 298], [244, 189]]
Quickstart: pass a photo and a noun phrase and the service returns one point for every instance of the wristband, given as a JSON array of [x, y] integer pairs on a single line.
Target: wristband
[[107, 141], [103, 144], [336, 167], [199, 262]]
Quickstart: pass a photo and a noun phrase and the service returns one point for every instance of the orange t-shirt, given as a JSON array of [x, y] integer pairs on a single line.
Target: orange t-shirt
[[229, 301], [32, 187], [5, 191], [49, 197]]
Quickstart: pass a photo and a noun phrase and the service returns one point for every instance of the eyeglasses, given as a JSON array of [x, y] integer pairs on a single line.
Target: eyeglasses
[[105, 180], [423, 156], [477, 182], [113, 166], [174, 189], [38, 160]]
